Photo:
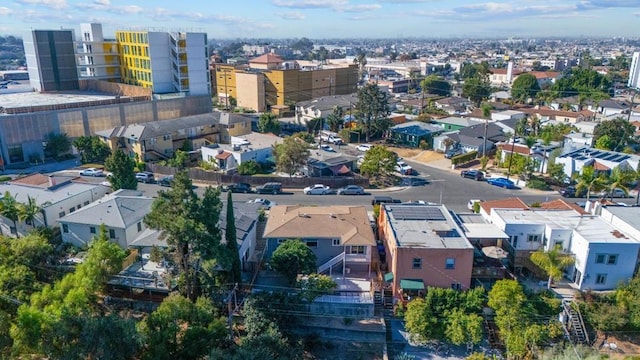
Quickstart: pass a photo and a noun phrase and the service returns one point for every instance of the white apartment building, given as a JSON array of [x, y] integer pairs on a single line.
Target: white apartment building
[[634, 71], [96, 57]]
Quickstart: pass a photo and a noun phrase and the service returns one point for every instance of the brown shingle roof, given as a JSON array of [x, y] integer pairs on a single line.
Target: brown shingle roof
[[350, 224], [508, 203], [598, 166], [268, 58], [560, 204], [517, 148]]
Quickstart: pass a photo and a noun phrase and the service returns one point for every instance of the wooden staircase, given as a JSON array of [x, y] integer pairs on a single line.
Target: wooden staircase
[[573, 324]]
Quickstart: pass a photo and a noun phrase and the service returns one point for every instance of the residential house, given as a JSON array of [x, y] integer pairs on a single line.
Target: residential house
[[324, 165], [122, 213], [604, 255], [453, 105], [546, 78], [160, 139], [413, 134], [538, 155], [577, 140], [233, 125], [425, 247], [453, 123], [601, 160], [571, 117], [323, 107], [472, 138], [507, 115], [55, 195], [503, 76], [253, 146], [337, 235], [608, 107]]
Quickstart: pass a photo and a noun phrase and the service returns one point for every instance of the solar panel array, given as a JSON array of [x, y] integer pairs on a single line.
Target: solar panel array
[[599, 154], [412, 212]]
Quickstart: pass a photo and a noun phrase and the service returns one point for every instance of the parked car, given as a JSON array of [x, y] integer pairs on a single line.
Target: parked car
[[379, 200], [92, 172], [403, 168], [472, 174], [351, 190], [239, 188], [572, 192], [452, 152], [616, 193], [317, 189], [502, 182], [145, 177], [264, 203], [364, 147], [269, 188], [326, 147], [166, 181]]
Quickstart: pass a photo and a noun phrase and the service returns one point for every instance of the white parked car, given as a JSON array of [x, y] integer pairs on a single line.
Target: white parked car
[[317, 189], [364, 147], [325, 147], [403, 168], [264, 203], [92, 172]]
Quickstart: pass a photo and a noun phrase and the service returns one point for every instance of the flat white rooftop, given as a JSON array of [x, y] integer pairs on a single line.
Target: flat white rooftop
[[17, 99]]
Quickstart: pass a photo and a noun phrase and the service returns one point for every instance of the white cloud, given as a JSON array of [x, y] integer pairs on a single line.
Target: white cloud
[[5, 11], [310, 4], [53, 4], [359, 8], [294, 15]]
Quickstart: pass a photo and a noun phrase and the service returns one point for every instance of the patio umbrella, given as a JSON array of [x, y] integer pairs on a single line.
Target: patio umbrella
[[494, 252]]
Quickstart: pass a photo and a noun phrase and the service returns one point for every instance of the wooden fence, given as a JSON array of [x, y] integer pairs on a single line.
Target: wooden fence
[[217, 178]]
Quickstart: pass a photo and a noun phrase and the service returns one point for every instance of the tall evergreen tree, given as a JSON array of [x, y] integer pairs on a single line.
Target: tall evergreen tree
[[232, 243], [122, 170]]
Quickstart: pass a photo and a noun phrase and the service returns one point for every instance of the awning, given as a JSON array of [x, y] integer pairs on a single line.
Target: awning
[[411, 284], [340, 170], [388, 277]]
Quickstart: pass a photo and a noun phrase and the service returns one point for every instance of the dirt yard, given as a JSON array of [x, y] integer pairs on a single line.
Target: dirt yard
[[626, 347], [417, 154]]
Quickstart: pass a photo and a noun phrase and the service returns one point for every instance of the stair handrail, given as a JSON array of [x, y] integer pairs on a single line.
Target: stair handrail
[[336, 259]]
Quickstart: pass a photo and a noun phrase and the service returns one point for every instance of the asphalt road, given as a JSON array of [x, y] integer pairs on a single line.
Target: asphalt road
[[443, 186]]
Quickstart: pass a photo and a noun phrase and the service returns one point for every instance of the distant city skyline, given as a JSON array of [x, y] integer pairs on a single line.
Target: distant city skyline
[[322, 19]]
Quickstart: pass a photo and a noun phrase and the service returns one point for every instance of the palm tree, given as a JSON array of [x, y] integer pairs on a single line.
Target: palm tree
[[590, 180], [28, 212], [552, 262], [9, 209], [620, 179]]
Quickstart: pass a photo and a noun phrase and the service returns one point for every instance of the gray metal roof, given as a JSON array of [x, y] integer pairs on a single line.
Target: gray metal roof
[[327, 103], [459, 121], [117, 210], [416, 128], [45, 197]]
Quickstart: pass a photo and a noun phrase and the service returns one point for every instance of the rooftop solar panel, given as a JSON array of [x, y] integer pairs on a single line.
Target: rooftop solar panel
[[418, 213]]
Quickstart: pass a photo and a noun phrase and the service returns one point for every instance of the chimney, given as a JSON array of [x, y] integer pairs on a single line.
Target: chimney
[[52, 181]]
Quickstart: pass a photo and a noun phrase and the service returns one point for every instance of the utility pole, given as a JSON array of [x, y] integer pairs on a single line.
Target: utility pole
[[513, 145], [484, 145]]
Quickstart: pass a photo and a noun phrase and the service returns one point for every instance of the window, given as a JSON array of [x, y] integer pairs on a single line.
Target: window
[[417, 263], [601, 279], [166, 137], [450, 263], [15, 153], [513, 239], [612, 260], [600, 258], [533, 238], [357, 250], [92, 230], [112, 234], [335, 242], [456, 286], [280, 241], [86, 203], [72, 209], [65, 228], [139, 226], [61, 214], [312, 244]]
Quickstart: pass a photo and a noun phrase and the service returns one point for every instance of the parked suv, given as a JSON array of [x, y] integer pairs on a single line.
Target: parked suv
[[379, 200], [269, 188], [472, 174], [239, 188], [145, 177]]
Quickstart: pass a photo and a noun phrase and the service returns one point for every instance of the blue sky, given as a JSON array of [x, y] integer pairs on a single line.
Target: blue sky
[[334, 18]]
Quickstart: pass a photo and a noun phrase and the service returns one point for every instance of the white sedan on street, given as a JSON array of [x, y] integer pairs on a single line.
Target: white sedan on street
[[92, 172], [264, 203], [364, 147], [317, 189]]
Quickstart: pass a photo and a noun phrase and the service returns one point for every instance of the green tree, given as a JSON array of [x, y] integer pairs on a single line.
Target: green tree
[[335, 120], [620, 178], [463, 328], [190, 225], [419, 319], [556, 171], [57, 144], [91, 149], [10, 209], [552, 262], [305, 136], [525, 87], [291, 154], [268, 123], [591, 180], [315, 285], [378, 161], [373, 110], [122, 171], [250, 167], [477, 89], [437, 85], [619, 131], [604, 143], [508, 300], [179, 159], [29, 211], [181, 329], [232, 243], [293, 257]]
